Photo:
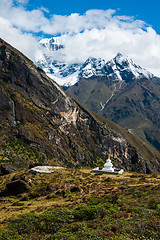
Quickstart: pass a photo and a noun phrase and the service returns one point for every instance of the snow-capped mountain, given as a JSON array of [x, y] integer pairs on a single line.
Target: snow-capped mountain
[[119, 68], [125, 69]]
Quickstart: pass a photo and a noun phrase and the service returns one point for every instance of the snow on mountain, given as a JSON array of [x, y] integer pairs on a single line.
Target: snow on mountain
[[64, 74], [92, 67], [126, 67], [52, 44], [119, 68]]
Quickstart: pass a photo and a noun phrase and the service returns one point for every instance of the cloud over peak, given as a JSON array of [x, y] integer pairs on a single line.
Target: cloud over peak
[[96, 33]]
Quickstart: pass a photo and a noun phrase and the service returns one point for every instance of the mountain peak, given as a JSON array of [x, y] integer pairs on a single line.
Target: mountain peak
[[52, 44], [122, 59], [119, 55], [128, 69]]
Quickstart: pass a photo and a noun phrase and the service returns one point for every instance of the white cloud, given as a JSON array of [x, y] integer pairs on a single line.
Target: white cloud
[[22, 1], [26, 43], [131, 39], [96, 33]]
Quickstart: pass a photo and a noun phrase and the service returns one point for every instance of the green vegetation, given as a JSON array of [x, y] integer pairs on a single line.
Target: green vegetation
[[100, 207], [18, 153]]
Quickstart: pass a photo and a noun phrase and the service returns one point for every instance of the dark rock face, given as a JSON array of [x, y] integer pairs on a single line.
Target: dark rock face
[[17, 187], [7, 169], [49, 126]]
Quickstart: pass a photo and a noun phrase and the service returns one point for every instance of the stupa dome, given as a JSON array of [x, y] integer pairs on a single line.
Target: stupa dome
[[108, 166]]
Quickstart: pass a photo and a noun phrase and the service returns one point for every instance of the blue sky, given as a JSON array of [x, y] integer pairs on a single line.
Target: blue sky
[[98, 29], [147, 11]]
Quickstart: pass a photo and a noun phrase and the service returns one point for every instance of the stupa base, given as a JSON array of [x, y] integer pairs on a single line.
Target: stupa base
[[116, 171], [110, 170]]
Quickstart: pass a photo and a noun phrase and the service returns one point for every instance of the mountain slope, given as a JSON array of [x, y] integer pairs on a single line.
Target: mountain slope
[[127, 95], [41, 123]]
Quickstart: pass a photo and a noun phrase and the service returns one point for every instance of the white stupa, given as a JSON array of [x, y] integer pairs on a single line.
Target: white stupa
[[108, 166]]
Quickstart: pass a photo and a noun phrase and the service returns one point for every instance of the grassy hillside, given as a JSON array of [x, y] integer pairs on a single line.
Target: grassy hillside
[[77, 204]]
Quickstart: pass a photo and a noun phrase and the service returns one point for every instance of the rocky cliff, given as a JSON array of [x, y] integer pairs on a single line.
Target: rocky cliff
[[39, 122]]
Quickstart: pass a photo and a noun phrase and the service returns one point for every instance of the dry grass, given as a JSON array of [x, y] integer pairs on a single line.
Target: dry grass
[[52, 190]]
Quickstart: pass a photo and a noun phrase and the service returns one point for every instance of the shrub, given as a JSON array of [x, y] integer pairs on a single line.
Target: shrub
[[62, 236], [54, 219], [154, 204], [138, 194], [110, 207], [94, 201], [88, 212], [7, 234], [25, 223]]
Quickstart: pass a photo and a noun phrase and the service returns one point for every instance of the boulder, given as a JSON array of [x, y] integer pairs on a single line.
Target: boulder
[[7, 169], [19, 177], [17, 187], [74, 189]]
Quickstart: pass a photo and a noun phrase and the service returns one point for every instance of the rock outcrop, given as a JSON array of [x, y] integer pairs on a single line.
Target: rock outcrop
[[7, 169], [17, 187], [41, 123]]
